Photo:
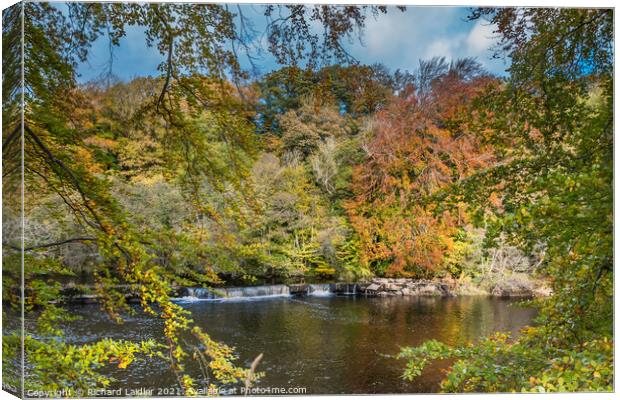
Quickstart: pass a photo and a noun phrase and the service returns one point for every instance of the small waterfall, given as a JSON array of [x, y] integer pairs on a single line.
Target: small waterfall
[[201, 293], [352, 289], [258, 291], [249, 293], [235, 293], [320, 290], [349, 289]]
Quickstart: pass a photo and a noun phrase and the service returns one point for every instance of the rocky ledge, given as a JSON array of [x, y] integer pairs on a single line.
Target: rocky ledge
[[520, 288], [384, 287]]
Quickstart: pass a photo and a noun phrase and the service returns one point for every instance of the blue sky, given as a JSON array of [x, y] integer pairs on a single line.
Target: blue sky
[[398, 40]]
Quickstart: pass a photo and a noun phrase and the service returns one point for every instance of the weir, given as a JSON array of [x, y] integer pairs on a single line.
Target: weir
[[252, 292], [320, 290], [248, 292], [351, 289], [376, 287]]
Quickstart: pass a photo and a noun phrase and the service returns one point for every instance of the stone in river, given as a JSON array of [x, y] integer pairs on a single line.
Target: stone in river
[[392, 287], [373, 287]]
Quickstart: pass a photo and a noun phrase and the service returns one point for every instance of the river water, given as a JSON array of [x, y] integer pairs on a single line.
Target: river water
[[321, 344]]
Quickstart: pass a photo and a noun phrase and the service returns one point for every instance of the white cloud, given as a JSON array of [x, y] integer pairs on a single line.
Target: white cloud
[[445, 47], [400, 40], [481, 38], [440, 47], [475, 43], [396, 39]]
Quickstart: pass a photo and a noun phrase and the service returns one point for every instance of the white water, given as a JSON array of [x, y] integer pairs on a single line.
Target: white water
[[252, 293], [351, 290], [190, 299], [320, 290], [249, 293]]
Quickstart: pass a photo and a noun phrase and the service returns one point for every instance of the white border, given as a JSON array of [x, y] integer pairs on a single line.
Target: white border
[[541, 3]]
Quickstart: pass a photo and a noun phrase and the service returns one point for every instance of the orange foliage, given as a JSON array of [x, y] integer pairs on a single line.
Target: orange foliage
[[419, 146]]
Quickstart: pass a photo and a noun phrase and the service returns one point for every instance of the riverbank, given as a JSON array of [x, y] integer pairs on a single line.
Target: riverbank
[[516, 287]]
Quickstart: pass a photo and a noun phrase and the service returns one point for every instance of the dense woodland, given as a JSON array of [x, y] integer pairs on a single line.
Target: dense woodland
[[206, 176]]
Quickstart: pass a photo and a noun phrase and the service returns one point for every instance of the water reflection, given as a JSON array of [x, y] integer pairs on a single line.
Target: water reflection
[[330, 345]]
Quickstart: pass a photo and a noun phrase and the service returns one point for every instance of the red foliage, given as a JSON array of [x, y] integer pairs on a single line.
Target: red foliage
[[420, 144]]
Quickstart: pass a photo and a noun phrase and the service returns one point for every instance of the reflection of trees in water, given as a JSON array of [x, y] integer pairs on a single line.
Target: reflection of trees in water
[[329, 345], [397, 321]]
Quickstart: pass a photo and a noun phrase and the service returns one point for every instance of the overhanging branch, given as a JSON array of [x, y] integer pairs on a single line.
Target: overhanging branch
[[52, 244]]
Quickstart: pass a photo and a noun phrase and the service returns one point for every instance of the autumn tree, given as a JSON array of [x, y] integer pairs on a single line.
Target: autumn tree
[[305, 129], [420, 143], [355, 90]]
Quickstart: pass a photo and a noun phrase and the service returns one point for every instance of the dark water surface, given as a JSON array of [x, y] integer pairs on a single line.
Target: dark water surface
[[327, 345]]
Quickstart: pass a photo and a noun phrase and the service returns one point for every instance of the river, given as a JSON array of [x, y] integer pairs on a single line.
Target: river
[[321, 344]]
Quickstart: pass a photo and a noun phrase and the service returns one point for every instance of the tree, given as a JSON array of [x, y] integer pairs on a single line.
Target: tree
[[306, 128], [293, 226], [420, 145], [355, 90]]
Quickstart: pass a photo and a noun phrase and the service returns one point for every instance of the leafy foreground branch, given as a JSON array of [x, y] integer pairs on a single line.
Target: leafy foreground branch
[[499, 364]]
